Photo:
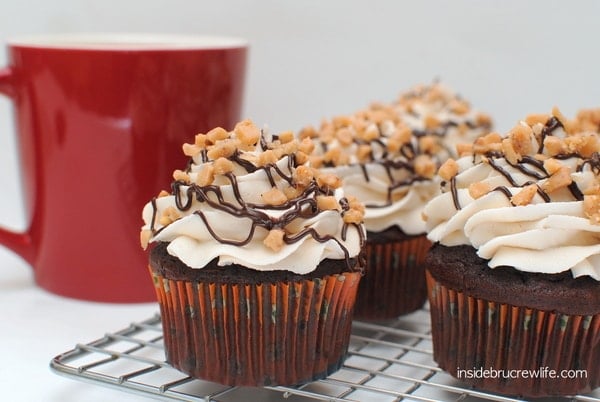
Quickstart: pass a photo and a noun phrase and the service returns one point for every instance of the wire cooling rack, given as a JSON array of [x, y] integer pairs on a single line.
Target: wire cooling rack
[[386, 362]]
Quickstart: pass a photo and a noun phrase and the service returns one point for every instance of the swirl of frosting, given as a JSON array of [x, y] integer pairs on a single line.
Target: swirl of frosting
[[387, 154], [530, 200], [437, 110], [245, 200]]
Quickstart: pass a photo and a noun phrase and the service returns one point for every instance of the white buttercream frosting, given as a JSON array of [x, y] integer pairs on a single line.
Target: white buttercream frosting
[[387, 154], [233, 220], [537, 211], [437, 110]]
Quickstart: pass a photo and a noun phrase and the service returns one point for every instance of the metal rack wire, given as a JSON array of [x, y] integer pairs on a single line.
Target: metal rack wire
[[390, 362]]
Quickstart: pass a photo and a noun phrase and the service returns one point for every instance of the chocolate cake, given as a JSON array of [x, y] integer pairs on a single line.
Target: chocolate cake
[[256, 259], [395, 281], [459, 268], [386, 155], [169, 266], [513, 276]]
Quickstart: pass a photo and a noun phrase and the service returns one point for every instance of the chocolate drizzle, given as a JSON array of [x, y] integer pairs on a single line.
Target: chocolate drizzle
[[390, 148], [304, 206], [532, 167]]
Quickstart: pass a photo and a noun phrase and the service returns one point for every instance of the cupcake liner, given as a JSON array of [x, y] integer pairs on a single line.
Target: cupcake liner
[[257, 334], [394, 279], [525, 351]]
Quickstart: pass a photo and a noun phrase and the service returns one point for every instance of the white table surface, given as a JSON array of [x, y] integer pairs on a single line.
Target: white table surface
[[36, 325]]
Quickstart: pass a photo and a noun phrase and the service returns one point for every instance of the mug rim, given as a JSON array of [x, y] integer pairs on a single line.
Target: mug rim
[[116, 41]]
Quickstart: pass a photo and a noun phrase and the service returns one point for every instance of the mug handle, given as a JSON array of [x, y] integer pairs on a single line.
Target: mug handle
[[20, 243]]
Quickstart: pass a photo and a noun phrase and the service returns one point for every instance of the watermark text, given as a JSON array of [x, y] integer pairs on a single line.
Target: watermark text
[[541, 372]]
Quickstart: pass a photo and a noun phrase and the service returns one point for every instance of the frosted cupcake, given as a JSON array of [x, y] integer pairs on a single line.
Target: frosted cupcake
[[387, 156], [256, 259], [514, 273]]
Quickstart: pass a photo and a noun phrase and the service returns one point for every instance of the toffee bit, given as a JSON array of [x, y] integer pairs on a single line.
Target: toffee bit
[[448, 170], [274, 197], [353, 216], [191, 149], [206, 176], [534, 119], [329, 181], [479, 189], [520, 136], [425, 166], [559, 179], [524, 196], [222, 166], [275, 239], [564, 122], [216, 134], [180, 175], [554, 146], [145, 236], [591, 208], [511, 155], [464, 149], [327, 202], [487, 143], [303, 176]]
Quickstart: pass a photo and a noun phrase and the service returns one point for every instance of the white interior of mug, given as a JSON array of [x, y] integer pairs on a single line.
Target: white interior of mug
[[127, 41]]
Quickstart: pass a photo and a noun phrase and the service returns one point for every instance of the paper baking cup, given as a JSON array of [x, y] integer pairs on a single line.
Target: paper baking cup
[[394, 279], [257, 335], [511, 349]]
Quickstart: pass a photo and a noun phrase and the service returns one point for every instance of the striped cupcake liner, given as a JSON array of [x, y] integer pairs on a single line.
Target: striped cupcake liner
[[257, 334], [394, 279], [510, 349]]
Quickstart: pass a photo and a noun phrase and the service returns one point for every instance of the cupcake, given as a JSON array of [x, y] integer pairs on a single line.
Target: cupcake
[[514, 273], [387, 156], [256, 260]]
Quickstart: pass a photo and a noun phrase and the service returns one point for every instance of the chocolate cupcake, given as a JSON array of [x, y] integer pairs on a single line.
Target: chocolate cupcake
[[514, 273], [256, 260], [387, 156]]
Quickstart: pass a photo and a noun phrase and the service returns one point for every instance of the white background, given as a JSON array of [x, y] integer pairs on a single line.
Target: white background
[[309, 59]]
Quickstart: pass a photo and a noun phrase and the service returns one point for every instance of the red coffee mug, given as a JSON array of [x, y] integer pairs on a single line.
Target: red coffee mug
[[101, 119]]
